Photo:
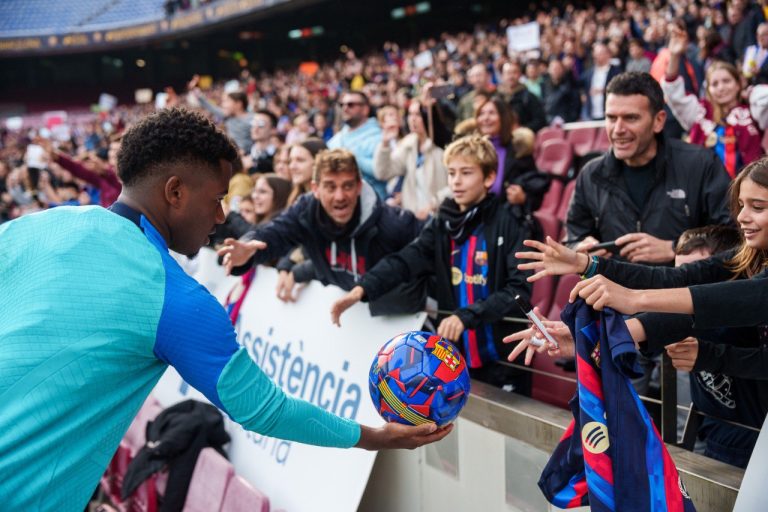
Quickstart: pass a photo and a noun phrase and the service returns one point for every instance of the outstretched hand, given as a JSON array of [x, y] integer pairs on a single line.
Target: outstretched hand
[[684, 354], [532, 341], [600, 292], [236, 253], [354, 296], [552, 259], [397, 435]]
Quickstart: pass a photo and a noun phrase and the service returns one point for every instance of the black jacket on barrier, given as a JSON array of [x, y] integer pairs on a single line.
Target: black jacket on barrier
[[690, 190], [430, 254], [341, 259]]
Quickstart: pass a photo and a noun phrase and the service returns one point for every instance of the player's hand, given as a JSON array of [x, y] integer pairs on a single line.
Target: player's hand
[[354, 296], [527, 338], [644, 248], [552, 259], [600, 292], [684, 353], [396, 435], [451, 328], [238, 253]]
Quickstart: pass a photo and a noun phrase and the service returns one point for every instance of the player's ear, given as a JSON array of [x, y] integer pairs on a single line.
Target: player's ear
[[174, 191]]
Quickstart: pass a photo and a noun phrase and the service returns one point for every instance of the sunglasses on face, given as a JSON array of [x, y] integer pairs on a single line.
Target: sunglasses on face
[[350, 104]]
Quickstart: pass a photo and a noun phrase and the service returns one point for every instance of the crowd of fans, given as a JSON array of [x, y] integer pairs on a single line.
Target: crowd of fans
[[680, 85]]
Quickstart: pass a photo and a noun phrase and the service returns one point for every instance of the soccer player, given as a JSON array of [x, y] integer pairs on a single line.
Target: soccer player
[[94, 309]]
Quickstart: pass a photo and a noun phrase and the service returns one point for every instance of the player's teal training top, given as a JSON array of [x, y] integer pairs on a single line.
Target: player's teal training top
[[92, 310]]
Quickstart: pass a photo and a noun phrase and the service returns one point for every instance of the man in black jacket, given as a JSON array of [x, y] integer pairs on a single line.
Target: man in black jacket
[[647, 189], [529, 110], [344, 230], [560, 94], [469, 247]]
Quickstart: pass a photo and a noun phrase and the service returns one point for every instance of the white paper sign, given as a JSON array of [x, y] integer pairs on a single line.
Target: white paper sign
[[521, 38], [298, 347], [423, 60], [107, 102]]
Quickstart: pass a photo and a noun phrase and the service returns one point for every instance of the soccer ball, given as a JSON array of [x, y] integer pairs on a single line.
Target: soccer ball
[[417, 378]]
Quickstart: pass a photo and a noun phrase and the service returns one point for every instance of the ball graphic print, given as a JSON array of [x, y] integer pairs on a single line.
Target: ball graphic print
[[419, 377]]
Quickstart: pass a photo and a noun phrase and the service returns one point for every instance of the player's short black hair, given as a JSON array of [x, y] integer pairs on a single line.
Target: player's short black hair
[[171, 136], [630, 83]]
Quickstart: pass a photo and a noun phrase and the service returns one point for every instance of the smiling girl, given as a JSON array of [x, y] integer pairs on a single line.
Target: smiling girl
[[721, 121]]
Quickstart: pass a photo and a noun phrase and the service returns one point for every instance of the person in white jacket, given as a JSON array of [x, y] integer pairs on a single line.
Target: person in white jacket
[[417, 159]]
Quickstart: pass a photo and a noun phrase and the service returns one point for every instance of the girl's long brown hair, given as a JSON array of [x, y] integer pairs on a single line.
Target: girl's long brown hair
[[748, 261]]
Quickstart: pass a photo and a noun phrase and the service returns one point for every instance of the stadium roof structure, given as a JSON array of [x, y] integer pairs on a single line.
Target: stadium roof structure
[[67, 26]]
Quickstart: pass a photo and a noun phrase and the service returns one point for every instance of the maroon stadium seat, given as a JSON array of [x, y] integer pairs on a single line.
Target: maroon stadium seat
[[242, 497], [556, 157], [582, 140], [564, 287], [543, 292], [209, 482], [545, 134], [135, 437], [602, 143], [551, 390], [549, 224], [551, 201]]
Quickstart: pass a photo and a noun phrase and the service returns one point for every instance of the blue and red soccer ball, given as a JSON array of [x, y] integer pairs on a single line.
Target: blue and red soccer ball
[[419, 377]]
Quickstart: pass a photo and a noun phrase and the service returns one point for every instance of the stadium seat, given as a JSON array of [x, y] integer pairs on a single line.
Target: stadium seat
[[242, 497], [543, 292], [552, 390], [582, 140], [565, 201], [602, 144], [564, 287], [209, 482], [545, 134], [135, 437], [551, 201], [549, 224], [556, 157]]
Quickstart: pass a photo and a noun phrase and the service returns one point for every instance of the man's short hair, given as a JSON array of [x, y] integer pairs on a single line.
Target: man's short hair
[[239, 97], [334, 161], [476, 148], [712, 239], [170, 136], [635, 82], [272, 117], [363, 97]]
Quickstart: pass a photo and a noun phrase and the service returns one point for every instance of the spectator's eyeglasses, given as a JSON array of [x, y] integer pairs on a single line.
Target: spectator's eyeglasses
[[260, 124], [350, 104]]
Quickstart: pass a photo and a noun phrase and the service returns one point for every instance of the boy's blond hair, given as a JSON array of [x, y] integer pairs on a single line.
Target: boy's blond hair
[[333, 161], [476, 148]]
